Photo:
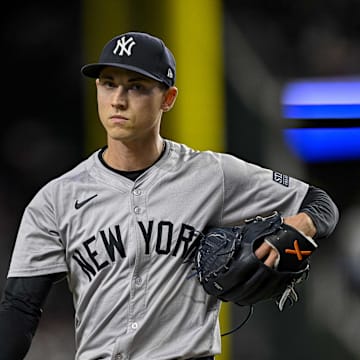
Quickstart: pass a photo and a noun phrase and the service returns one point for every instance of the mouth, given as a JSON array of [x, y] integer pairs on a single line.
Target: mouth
[[118, 119]]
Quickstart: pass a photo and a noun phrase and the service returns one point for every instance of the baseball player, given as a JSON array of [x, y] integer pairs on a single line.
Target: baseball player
[[119, 225]]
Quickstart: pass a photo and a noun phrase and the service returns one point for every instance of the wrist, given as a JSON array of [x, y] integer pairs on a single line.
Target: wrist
[[302, 222]]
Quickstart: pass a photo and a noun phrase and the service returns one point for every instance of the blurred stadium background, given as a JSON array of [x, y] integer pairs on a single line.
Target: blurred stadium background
[[235, 59]]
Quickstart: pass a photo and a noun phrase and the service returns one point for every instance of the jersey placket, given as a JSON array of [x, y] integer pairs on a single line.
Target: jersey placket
[[139, 275]]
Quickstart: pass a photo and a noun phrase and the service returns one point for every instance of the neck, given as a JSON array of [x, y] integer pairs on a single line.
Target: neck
[[133, 156]]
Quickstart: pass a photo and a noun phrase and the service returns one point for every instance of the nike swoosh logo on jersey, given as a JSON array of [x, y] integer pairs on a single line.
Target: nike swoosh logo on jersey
[[79, 204]]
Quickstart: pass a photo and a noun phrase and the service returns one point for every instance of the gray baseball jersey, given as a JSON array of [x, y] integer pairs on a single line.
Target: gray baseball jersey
[[122, 244]]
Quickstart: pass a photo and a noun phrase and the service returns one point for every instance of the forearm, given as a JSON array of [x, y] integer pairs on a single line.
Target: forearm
[[322, 211], [20, 313], [16, 333], [317, 218]]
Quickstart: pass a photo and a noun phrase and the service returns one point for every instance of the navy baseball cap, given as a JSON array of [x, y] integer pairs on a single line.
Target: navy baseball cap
[[139, 52]]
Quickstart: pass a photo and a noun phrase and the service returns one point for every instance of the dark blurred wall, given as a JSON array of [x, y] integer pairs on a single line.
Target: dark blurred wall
[[42, 127]]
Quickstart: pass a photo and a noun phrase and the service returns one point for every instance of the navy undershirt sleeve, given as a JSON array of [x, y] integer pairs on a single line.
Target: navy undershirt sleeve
[[322, 210], [20, 313]]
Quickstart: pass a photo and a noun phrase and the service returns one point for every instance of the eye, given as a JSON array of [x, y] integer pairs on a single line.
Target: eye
[[137, 87], [107, 83]]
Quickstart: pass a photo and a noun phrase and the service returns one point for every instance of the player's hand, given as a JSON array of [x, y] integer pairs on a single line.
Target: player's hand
[[302, 222]]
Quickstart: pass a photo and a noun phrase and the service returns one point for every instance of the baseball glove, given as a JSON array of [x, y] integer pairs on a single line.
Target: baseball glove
[[227, 267]]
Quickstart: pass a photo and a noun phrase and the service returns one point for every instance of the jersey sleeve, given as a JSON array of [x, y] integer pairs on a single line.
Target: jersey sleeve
[[38, 249], [251, 190]]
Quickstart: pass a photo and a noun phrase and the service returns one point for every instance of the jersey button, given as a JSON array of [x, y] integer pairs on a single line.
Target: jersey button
[[137, 210], [137, 192], [134, 325], [138, 281]]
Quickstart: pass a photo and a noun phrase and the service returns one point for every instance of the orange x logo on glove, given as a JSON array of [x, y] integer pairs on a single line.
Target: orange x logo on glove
[[296, 251]]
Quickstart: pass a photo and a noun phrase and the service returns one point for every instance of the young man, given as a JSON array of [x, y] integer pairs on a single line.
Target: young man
[[119, 224]]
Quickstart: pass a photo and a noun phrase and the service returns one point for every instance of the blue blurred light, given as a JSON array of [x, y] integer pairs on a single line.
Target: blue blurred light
[[322, 91], [317, 99], [318, 145], [321, 111]]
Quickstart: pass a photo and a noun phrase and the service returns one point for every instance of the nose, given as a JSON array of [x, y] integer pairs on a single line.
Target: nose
[[119, 99]]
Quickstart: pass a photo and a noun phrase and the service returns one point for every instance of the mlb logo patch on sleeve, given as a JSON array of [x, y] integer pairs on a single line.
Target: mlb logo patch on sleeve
[[281, 178]]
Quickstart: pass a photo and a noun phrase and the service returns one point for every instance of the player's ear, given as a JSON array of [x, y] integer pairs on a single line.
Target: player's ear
[[169, 98]]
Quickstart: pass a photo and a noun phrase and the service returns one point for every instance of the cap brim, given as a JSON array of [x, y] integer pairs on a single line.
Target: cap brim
[[93, 70]]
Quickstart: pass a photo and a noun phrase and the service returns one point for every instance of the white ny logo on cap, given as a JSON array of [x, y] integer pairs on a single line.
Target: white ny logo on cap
[[124, 45]]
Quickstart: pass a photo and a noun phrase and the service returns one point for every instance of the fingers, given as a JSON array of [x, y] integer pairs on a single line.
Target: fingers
[[267, 254], [271, 259]]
